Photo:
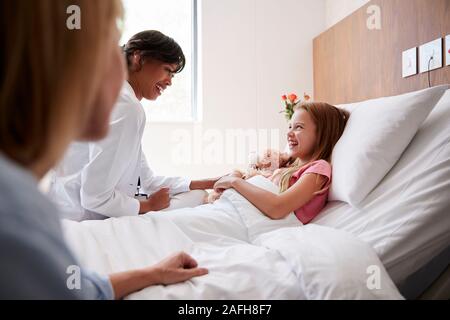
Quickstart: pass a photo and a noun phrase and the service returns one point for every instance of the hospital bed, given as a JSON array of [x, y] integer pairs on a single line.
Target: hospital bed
[[401, 229], [353, 63], [407, 217]]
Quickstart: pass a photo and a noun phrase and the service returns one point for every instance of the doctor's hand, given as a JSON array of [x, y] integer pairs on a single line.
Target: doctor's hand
[[224, 183], [157, 201]]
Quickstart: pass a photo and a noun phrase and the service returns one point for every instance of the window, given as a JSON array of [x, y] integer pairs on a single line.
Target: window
[[176, 19]]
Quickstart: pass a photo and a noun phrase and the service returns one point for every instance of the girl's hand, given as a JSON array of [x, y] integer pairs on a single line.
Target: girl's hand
[[236, 173], [224, 183]]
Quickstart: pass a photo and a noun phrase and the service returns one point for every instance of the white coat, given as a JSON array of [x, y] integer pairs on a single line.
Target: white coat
[[99, 180]]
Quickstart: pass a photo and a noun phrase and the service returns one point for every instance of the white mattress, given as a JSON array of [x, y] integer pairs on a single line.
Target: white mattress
[[406, 219]]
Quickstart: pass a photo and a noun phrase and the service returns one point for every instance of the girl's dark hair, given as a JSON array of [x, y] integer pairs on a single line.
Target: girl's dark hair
[[155, 45]]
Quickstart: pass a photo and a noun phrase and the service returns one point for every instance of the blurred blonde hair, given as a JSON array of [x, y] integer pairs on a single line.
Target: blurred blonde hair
[[49, 74], [330, 123]]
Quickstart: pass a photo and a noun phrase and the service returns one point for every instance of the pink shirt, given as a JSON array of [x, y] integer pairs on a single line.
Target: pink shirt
[[310, 210]]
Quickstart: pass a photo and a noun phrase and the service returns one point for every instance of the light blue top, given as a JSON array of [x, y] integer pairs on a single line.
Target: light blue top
[[35, 262]]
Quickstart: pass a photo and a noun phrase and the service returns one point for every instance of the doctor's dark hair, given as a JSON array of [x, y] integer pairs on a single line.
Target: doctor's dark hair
[[152, 44]]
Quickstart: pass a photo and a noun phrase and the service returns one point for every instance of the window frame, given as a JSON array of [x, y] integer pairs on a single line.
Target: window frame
[[194, 88], [194, 101]]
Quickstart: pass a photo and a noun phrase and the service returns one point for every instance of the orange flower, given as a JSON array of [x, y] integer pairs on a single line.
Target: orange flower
[[292, 97], [290, 101]]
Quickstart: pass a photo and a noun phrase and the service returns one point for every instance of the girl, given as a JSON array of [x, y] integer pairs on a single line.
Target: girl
[[314, 130]]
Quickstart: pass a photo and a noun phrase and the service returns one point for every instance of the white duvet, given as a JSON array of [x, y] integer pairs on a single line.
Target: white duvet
[[249, 256]]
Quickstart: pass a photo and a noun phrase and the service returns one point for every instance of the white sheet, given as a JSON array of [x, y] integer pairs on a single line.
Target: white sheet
[[248, 255], [406, 218]]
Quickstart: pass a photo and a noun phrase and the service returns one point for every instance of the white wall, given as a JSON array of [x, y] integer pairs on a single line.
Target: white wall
[[252, 52], [336, 10]]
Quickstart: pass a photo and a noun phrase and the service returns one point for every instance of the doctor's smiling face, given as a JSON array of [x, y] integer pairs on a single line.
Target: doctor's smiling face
[[152, 78], [158, 76], [153, 59]]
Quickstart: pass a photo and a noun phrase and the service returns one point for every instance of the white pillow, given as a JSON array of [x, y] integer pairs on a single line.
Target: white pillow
[[331, 264], [376, 135]]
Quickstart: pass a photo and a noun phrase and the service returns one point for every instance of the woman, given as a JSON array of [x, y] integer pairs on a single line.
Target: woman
[[73, 79], [100, 179]]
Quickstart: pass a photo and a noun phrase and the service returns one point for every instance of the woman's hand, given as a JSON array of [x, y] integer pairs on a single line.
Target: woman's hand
[[225, 183], [176, 268]]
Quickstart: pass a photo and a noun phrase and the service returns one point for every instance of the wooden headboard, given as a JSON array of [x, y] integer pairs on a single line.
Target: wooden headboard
[[353, 63]]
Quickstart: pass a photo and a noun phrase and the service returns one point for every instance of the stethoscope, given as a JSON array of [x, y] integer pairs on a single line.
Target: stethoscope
[[138, 193]]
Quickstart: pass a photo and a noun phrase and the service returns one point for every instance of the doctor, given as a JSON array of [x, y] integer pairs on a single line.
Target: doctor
[[100, 179]]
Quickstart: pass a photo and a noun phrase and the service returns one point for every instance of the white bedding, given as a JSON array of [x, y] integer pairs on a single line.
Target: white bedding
[[248, 255]]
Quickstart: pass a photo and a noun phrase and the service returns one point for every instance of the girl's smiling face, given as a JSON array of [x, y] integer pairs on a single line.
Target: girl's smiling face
[[302, 135]]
